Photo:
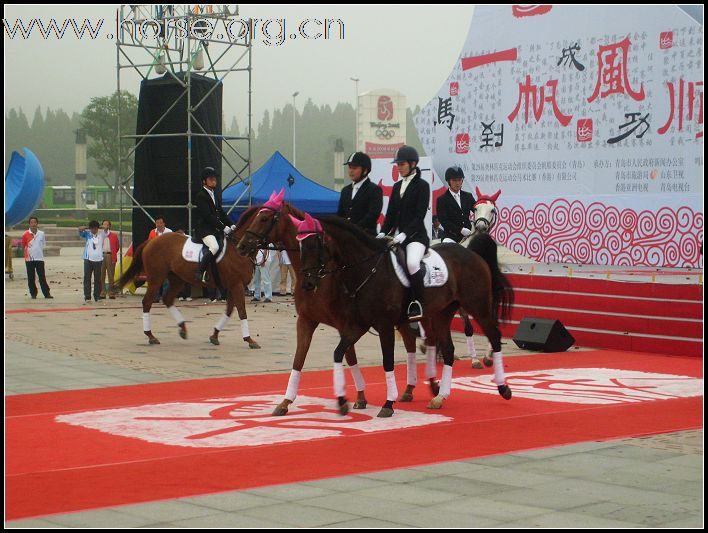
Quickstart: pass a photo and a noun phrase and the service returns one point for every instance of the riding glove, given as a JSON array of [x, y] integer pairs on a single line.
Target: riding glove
[[466, 232], [227, 230], [380, 235], [399, 238]]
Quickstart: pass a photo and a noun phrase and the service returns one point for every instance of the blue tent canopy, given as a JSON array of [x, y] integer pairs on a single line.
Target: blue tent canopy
[[304, 193]]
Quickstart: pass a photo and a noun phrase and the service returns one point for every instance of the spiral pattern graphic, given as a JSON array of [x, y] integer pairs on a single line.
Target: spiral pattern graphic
[[603, 234]]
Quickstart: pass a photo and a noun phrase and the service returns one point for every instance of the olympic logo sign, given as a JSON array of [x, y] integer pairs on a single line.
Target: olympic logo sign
[[383, 133]]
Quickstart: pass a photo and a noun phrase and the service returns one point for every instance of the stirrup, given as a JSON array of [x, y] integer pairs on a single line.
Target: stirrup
[[415, 311]]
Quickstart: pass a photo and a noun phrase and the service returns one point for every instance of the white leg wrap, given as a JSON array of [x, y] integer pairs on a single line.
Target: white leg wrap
[[422, 331], [499, 377], [244, 328], [176, 314], [471, 350], [146, 322], [293, 385], [391, 389], [358, 378], [412, 370], [430, 353], [446, 381], [222, 322], [338, 380]]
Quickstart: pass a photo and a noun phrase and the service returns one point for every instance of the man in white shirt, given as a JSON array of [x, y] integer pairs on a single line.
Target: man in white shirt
[[33, 242], [93, 259]]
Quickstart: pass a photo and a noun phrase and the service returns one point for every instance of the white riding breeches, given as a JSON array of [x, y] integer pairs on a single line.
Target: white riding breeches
[[414, 255], [210, 242]]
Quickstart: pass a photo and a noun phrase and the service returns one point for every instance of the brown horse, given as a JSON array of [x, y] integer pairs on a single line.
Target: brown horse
[[161, 259], [357, 289], [272, 225]]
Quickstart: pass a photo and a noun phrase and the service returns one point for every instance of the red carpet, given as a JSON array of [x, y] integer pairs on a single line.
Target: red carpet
[[169, 440]]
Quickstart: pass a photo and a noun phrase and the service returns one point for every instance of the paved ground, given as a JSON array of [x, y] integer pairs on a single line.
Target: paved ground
[[644, 482]]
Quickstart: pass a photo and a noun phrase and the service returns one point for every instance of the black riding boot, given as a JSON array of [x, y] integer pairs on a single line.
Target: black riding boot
[[415, 309], [202, 274]]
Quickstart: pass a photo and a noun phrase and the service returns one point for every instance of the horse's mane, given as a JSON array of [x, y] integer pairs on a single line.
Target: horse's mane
[[356, 232], [247, 215]]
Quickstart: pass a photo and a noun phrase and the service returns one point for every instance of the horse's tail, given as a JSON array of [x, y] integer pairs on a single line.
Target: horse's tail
[[502, 291], [136, 266]]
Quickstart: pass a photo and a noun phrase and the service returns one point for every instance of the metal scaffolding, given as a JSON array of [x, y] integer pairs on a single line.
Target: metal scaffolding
[[168, 39]]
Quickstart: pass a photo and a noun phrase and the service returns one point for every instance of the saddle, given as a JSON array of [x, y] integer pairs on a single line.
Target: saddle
[[434, 269], [193, 251]]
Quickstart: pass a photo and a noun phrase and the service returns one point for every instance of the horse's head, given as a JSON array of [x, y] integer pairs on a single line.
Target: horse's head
[[263, 229], [485, 211], [312, 250]]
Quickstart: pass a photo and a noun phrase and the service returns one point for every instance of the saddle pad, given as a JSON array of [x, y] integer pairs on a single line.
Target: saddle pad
[[192, 251], [435, 270]]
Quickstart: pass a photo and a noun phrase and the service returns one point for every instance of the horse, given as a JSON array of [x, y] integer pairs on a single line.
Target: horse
[[354, 271], [161, 259], [271, 225], [485, 217]]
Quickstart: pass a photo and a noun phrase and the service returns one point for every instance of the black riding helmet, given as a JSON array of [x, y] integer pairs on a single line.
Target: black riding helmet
[[209, 172], [359, 159], [406, 153], [454, 173]]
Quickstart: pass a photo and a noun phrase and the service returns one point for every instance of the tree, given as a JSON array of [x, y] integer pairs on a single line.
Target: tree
[[100, 120]]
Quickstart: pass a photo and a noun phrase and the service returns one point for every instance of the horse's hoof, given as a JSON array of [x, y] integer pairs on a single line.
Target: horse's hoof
[[214, 340], [406, 397], [154, 340], [505, 391], [280, 411], [254, 345], [436, 403], [343, 408], [385, 412], [183, 333], [422, 348], [360, 404], [488, 361], [434, 387], [476, 363]]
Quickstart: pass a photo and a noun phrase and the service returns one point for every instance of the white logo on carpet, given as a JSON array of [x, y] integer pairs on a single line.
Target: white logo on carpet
[[242, 421], [589, 385]]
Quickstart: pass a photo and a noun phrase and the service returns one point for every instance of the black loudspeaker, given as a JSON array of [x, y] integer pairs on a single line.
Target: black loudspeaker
[[543, 334], [161, 163]]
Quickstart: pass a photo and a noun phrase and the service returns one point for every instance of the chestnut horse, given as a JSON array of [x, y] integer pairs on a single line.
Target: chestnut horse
[[162, 259], [352, 272], [272, 226]]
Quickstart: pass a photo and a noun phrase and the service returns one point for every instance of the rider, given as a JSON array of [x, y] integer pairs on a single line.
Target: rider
[[361, 201], [210, 220], [455, 206], [407, 208]]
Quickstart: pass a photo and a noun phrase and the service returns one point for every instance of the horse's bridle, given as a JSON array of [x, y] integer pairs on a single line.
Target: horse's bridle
[[262, 239], [490, 223]]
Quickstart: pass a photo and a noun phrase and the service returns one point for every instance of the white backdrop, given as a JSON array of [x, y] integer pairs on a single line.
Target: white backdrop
[[590, 121]]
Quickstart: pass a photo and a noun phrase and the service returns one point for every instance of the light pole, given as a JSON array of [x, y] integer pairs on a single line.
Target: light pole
[[356, 114], [294, 153]]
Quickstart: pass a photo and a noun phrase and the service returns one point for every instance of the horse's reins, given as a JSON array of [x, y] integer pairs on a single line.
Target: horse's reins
[[322, 271]]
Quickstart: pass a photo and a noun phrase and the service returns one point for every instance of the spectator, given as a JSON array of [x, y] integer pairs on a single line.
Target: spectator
[[93, 259], [159, 230], [262, 274], [111, 247], [286, 268], [438, 230], [33, 241]]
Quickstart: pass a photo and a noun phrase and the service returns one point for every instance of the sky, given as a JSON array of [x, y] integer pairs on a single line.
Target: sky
[[411, 49]]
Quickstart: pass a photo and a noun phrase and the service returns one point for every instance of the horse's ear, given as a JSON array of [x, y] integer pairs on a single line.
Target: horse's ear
[[496, 195], [308, 218], [479, 193], [296, 221], [272, 197], [281, 195]]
